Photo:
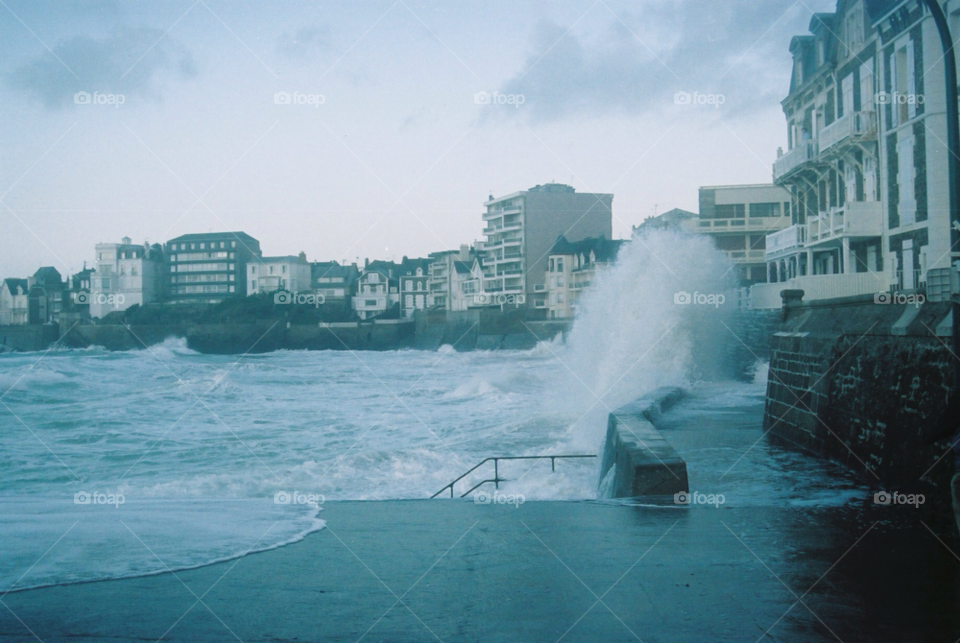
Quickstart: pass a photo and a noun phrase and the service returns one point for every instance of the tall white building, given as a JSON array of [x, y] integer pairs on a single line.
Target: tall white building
[[126, 274], [522, 227]]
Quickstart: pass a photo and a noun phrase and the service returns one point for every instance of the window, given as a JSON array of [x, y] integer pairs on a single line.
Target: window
[[253, 284], [731, 211], [233, 244], [559, 264], [764, 209], [253, 270], [283, 269]]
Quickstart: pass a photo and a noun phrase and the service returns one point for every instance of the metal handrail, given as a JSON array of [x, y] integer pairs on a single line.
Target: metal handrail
[[496, 480]]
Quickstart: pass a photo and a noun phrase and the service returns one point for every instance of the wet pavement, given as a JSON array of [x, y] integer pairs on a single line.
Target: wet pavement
[[817, 561]]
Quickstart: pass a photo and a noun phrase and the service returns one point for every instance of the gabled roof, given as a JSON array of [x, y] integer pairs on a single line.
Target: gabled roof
[[12, 284], [332, 269], [604, 250], [204, 236], [463, 267], [47, 275], [409, 267]]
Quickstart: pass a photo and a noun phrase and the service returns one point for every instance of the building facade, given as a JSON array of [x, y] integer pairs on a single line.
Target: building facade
[[270, 274], [454, 279], [522, 227], [13, 302], [377, 289], [866, 163], [208, 268], [572, 268], [335, 282], [739, 218], [126, 274], [414, 288]]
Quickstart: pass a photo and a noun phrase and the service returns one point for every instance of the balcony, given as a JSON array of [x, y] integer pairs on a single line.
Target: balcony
[[755, 224], [785, 241], [805, 152], [861, 126], [856, 219], [818, 287]]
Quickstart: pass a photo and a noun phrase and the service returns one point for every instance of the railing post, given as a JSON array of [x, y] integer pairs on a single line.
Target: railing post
[[496, 473], [553, 464]]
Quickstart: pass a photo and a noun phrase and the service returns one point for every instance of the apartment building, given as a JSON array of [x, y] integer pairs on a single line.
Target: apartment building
[[676, 219], [335, 282], [522, 227], [739, 218], [270, 274], [454, 278], [125, 274], [866, 164], [572, 267], [209, 267]]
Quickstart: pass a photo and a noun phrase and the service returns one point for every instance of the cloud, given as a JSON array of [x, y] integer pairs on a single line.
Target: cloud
[[130, 63], [306, 43], [634, 64]]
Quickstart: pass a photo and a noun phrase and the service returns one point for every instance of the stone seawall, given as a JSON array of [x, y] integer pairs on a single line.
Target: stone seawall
[[237, 339], [642, 462], [34, 337], [484, 329], [862, 383]]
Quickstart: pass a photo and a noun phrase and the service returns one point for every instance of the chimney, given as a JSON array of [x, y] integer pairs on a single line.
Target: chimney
[[125, 241], [366, 262], [302, 255], [464, 252]]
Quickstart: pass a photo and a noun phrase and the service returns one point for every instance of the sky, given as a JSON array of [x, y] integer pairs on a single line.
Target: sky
[[368, 128]]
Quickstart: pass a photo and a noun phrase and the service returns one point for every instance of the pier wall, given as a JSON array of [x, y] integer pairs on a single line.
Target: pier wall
[[862, 383], [34, 337], [643, 462]]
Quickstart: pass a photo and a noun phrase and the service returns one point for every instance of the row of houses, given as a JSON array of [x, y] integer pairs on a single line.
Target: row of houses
[[538, 255]]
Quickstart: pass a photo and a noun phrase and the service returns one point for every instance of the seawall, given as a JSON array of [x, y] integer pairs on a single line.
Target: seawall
[[643, 462], [863, 383], [259, 337], [33, 337]]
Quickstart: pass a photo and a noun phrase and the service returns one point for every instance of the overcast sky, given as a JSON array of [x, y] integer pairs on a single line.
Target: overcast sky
[[388, 151]]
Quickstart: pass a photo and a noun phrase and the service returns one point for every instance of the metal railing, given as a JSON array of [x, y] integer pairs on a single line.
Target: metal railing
[[496, 479]]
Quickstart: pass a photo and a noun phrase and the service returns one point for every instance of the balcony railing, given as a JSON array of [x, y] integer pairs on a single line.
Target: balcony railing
[[803, 153], [816, 287], [753, 224], [855, 219], [785, 240], [860, 125]]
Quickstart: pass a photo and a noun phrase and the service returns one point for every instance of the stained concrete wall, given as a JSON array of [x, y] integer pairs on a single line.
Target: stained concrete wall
[[29, 337], [645, 463], [862, 383]]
